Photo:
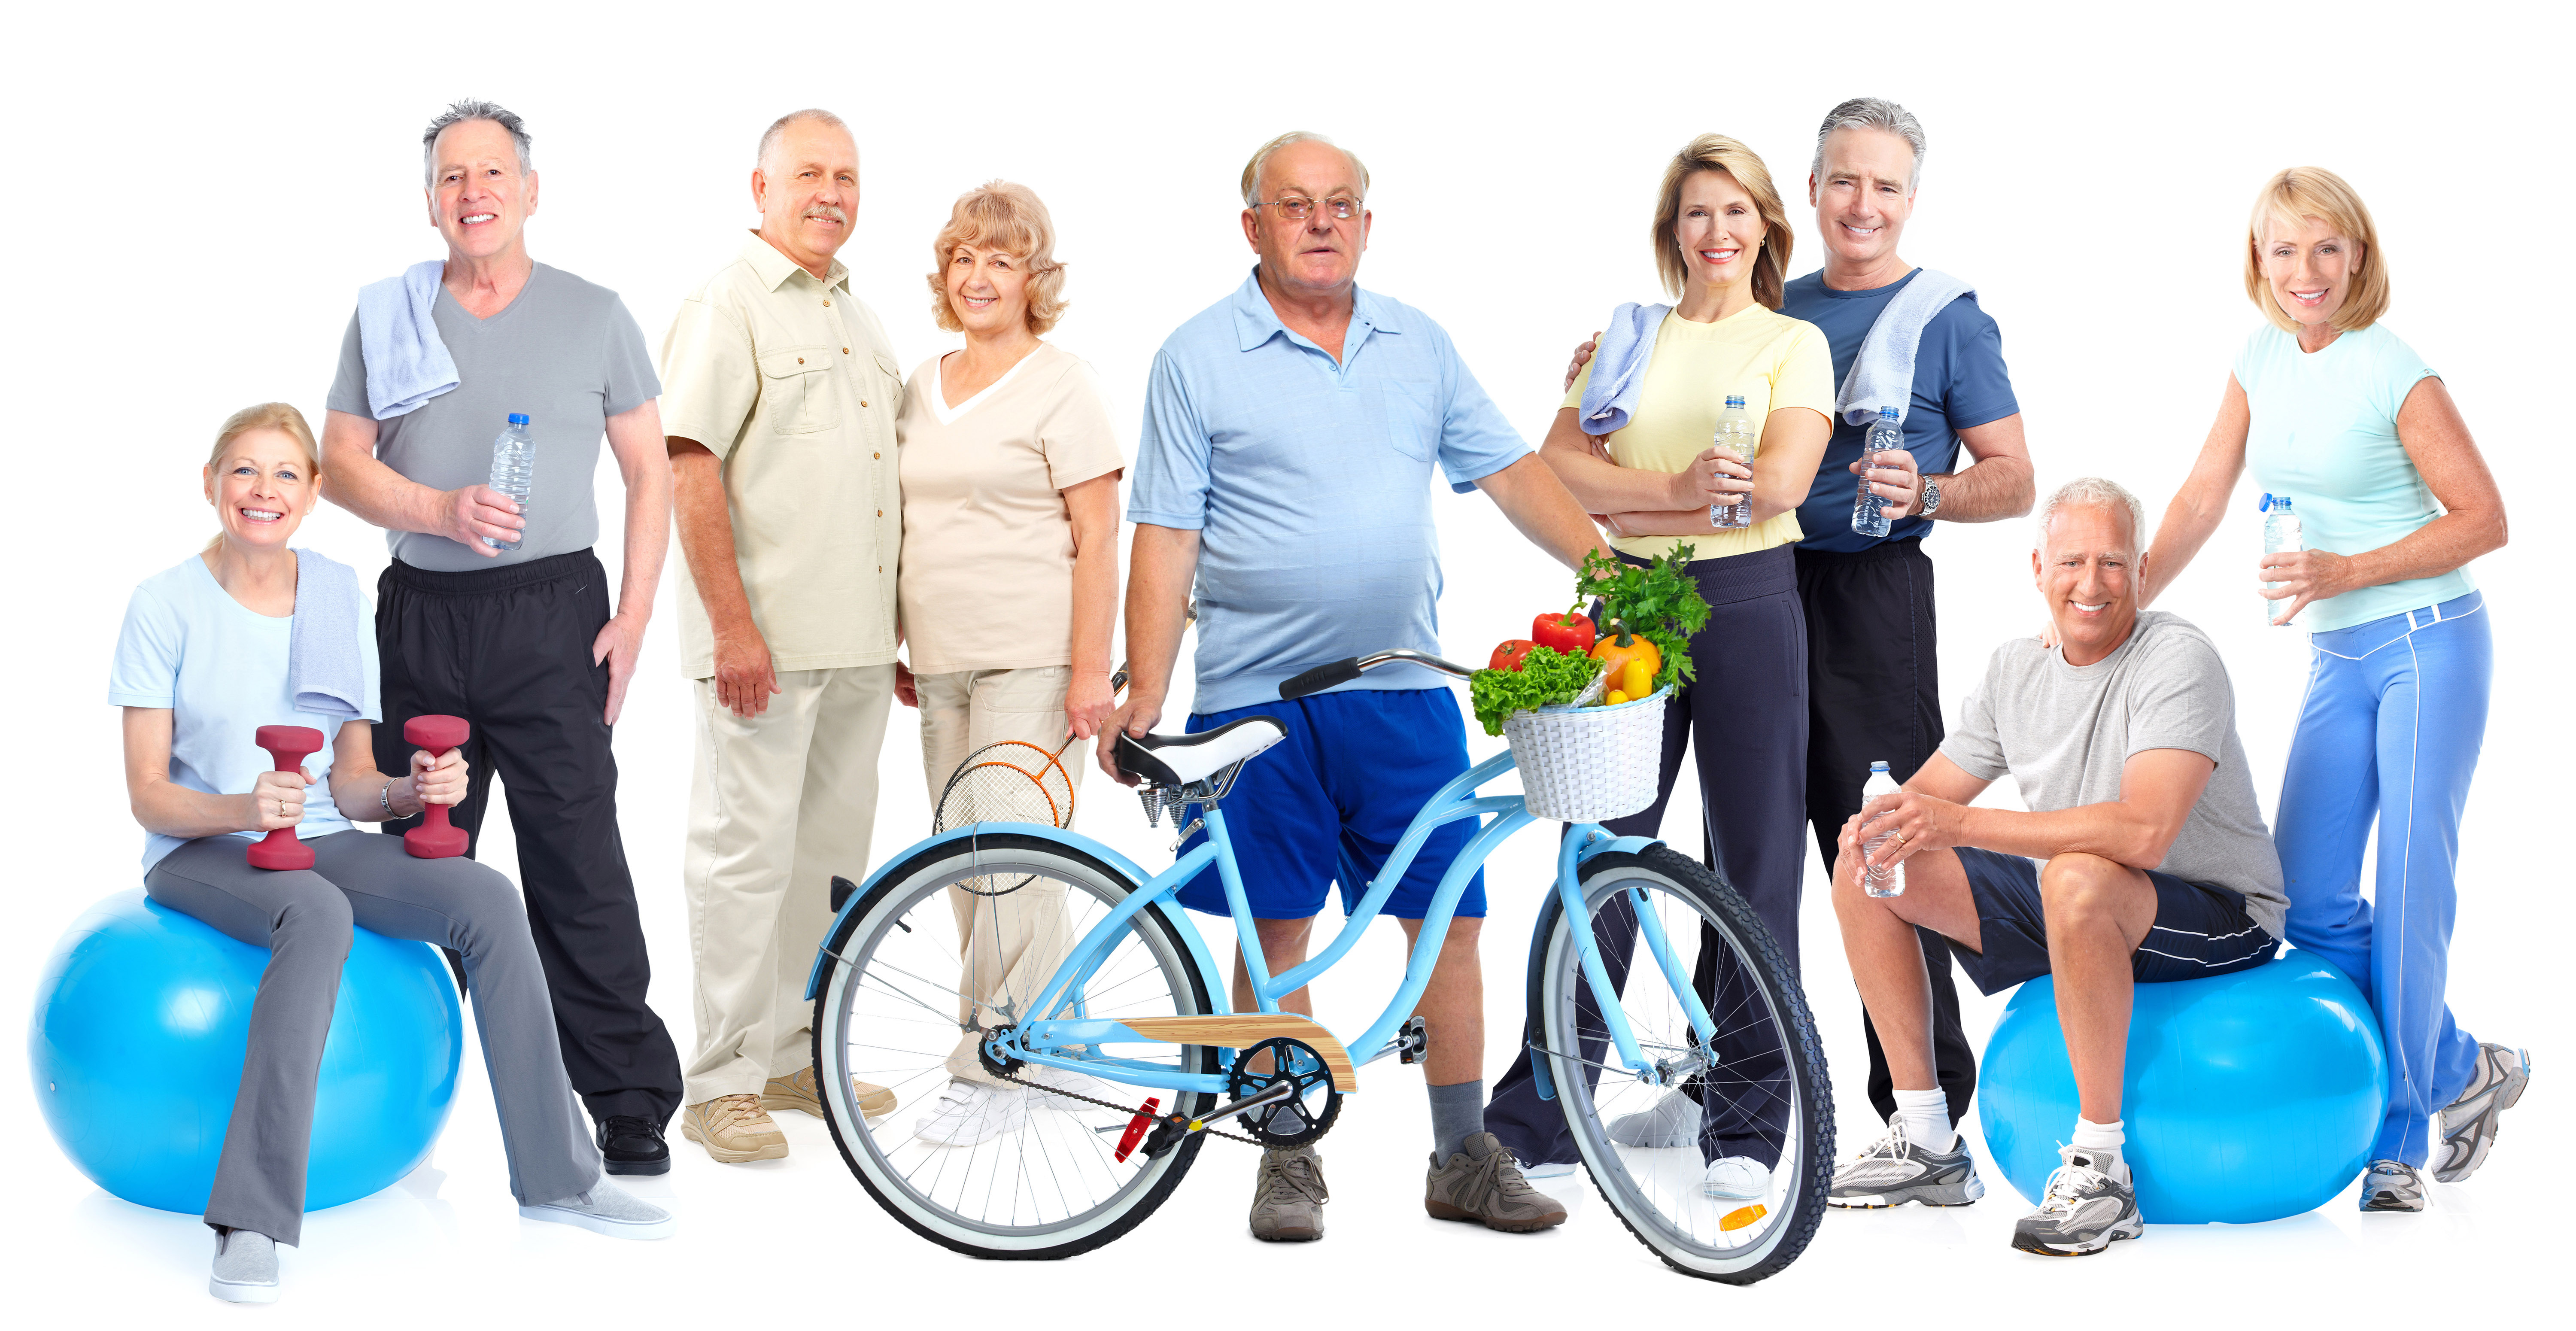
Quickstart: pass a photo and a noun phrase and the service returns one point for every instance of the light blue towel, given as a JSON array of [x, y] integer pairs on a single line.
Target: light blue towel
[[1882, 375], [323, 665], [1619, 366], [407, 364]]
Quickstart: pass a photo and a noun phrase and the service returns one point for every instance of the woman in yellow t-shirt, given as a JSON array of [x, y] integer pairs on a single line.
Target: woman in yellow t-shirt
[[1721, 241]]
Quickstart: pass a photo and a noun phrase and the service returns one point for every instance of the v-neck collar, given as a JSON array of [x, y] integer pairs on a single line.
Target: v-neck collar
[[939, 391]]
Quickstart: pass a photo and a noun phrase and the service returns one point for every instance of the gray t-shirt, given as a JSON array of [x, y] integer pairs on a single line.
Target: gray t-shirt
[[564, 353], [2065, 731]]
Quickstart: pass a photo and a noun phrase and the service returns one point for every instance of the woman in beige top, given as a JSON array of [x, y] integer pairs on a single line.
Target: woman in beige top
[[1009, 579]]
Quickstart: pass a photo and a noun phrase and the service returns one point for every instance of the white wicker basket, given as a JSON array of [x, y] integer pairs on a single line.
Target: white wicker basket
[[1584, 764]]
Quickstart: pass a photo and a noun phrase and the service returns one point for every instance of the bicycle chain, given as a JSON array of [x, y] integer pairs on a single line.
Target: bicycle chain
[[1129, 1110]]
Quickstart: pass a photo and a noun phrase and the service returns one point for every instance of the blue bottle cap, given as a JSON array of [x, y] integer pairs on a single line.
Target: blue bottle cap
[[1887, 413], [1735, 399], [2266, 505], [518, 418]]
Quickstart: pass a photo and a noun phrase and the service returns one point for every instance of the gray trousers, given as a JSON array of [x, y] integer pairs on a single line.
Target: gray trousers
[[303, 916]]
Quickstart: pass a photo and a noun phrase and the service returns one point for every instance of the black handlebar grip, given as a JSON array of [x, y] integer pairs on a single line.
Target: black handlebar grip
[[1321, 678]]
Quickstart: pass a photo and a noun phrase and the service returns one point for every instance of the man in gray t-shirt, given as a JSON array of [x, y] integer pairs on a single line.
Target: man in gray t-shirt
[[2143, 858]]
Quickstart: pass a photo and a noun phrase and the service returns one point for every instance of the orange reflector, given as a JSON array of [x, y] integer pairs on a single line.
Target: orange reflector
[[1742, 1216]]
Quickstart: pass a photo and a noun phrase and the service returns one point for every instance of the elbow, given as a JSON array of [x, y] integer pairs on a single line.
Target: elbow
[[2146, 847], [2495, 530]]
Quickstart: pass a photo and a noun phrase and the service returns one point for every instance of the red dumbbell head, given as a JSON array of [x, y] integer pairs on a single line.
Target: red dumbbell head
[[289, 746], [435, 838]]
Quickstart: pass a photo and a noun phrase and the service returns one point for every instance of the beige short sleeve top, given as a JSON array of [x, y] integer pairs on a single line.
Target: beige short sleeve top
[[987, 540], [790, 382]]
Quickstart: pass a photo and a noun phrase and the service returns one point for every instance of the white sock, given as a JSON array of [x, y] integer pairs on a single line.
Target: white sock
[[2100, 1141], [1926, 1115]]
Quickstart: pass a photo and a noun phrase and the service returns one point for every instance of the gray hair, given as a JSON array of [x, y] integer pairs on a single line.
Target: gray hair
[[2094, 490], [1260, 159], [1872, 113], [778, 130], [457, 113]]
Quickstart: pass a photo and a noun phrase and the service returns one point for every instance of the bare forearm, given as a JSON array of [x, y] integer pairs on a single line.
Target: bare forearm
[[2431, 550], [1543, 511], [1095, 603], [173, 810], [361, 796], [354, 478], [1163, 565], [648, 535], [2115, 831], [1988, 490], [1664, 522], [706, 535], [2186, 527]]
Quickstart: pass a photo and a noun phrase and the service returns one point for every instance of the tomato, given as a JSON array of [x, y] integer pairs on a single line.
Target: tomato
[[1569, 633], [1512, 654]]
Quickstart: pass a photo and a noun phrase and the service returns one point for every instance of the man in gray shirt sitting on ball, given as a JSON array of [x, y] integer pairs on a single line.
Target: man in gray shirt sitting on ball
[[2143, 859]]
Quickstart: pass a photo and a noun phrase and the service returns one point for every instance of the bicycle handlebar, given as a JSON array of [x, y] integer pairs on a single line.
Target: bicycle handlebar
[[1344, 671]]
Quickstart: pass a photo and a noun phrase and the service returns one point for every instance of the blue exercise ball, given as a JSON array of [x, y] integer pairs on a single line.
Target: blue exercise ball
[[2248, 1097], [141, 1017]]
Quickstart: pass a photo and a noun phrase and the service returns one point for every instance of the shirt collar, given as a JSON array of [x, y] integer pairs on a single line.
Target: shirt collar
[[1256, 323], [775, 269]]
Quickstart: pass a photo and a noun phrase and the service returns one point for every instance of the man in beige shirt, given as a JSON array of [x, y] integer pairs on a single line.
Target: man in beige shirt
[[780, 397]]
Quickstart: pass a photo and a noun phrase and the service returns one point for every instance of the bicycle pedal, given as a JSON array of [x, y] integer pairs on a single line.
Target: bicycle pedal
[[1412, 1041], [1136, 1128]]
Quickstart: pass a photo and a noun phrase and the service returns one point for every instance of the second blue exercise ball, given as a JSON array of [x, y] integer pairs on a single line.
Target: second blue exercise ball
[[2251, 1096], [141, 1017]]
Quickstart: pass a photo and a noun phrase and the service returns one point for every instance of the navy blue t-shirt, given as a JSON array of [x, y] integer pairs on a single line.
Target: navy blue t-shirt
[[1959, 384]]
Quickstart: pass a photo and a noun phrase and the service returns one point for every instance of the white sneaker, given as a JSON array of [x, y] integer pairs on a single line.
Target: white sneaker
[[1066, 1079], [1671, 1121], [1736, 1178], [1552, 1169], [970, 1112]]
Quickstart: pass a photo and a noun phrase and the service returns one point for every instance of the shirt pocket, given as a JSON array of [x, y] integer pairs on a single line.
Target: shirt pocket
[[1409, 420], [796, 383]]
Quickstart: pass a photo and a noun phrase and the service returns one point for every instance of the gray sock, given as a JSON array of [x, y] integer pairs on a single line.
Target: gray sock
[[1457, 1113]]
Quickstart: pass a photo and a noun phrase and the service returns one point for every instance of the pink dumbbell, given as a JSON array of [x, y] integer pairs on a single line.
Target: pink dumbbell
[[280, 849], [435, 838]]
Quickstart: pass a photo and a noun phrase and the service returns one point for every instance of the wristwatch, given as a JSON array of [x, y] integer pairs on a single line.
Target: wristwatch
[[1931, 497]]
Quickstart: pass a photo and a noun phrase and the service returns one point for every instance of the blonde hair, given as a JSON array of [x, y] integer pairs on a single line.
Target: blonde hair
[[1006, 217], [2294, 195], [278, 416], [1716, 152]]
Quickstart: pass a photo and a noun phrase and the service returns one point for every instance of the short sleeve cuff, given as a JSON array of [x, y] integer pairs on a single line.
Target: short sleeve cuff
[[1974, 768], [1463, 478], [1175, 521], [129, 698]]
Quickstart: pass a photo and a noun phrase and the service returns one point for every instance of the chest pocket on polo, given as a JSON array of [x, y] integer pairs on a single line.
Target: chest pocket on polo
[[1411, 420], [796, 386]]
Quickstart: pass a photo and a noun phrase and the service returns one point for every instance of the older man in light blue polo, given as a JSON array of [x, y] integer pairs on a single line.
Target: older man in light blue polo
[[1291, 433]]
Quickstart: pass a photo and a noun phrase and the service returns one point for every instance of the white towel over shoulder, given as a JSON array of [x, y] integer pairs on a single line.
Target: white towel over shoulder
[[1882, 375], [407, 363]]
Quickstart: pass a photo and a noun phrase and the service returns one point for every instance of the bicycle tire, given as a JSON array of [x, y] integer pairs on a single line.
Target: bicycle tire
[[1557, 985], [851, 946]]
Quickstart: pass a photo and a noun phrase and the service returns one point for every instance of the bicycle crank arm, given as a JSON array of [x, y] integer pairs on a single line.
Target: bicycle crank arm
[[1171, 1128]]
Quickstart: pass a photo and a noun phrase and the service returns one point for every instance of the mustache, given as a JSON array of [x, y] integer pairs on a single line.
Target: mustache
[[828, 210]]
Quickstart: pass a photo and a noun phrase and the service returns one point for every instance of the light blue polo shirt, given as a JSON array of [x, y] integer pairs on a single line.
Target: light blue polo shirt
[[1310, 485]]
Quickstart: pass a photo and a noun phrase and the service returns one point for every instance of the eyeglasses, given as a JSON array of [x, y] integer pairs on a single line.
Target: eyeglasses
[[1298, 210]]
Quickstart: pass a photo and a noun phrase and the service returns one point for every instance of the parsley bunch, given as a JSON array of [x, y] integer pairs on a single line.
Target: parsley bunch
[[1549, 678], [1660, 603]]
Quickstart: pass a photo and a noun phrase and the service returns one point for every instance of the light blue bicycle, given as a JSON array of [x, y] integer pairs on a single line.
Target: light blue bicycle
[[1099, 1020]]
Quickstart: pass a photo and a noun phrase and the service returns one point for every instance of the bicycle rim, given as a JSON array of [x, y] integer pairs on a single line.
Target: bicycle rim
[[1762, 1086], [1027, 1174]]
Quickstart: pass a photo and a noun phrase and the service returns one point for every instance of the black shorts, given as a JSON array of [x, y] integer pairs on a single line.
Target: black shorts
[[2200, 930]]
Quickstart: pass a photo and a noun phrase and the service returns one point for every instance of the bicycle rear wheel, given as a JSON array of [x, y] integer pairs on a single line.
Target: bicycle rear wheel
[[1760, 1084], [1028, 1174]]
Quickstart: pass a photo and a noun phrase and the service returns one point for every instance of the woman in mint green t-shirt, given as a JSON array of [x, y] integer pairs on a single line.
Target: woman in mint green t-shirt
[[2333, 412]]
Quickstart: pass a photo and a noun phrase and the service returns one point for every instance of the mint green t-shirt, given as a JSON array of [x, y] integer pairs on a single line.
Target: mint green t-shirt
[[2324, 433]]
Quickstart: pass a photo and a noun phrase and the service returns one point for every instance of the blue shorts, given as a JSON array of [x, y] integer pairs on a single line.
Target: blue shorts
[[1355, 768], [2200, 930]]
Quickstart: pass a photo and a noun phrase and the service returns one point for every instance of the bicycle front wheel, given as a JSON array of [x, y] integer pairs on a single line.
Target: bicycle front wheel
[[968, 933], [1720, 1161]]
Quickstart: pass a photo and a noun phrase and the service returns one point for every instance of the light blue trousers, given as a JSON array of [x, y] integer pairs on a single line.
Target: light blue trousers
[[2395, 713]]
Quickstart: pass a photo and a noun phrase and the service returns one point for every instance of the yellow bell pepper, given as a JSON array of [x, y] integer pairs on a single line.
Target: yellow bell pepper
[[1636, 678]]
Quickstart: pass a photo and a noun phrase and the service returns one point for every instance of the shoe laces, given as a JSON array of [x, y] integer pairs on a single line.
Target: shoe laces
[[2068, 1183], [1296, 1172], [1892, 1146], [738, 1108]]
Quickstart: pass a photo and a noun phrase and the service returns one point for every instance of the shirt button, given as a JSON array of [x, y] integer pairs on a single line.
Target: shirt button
[[881, 512], [827, 304], [845, 351], [863, 402], [800, 360], [876, 455]]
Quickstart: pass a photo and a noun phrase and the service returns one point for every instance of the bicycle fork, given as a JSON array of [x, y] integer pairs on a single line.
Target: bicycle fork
[[1605, 996]]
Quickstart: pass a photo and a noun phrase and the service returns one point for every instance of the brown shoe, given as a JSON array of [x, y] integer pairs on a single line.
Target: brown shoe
[[797, 1091], [1288, 1196], [1484, 1184], [734, 1129]]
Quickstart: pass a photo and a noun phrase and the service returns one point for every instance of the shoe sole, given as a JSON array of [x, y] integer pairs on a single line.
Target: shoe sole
[[1290, 1235], [615, 1229], [235, 1292], [1938, 1195], [1445, 1211], [729, 1155], [2025, 1243], [661, 1166], [2483, 1127]]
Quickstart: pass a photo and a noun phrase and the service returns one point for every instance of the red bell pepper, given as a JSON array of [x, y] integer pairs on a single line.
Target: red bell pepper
[[1570, 633]]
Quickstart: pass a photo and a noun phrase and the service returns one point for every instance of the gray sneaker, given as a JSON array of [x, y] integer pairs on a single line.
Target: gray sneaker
[[2390, 1186], [1672, 1120], [2469, 1123], [1894, 1171], [1484, 1184], [245, 1267], [1288, 1196], [605, 1209], [2082, 1210]]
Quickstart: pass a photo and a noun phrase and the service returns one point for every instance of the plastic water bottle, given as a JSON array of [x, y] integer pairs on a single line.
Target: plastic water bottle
[[1869, 512], [2281, 532], [514, 462], [1890, 881], [1736, 439]]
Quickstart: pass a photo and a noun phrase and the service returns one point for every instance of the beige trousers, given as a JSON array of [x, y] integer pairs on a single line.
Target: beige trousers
[[1011, 942], [780, 802]]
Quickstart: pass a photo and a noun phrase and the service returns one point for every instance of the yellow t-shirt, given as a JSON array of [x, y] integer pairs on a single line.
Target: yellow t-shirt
[[1768, 358]]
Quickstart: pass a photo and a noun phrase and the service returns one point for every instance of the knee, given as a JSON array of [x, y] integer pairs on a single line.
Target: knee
[[485, 908], [313, 911], [2078, 889], [1849, 900]]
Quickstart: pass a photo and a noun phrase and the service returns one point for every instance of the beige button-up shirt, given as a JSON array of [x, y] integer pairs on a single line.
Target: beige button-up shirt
[[789, 381]]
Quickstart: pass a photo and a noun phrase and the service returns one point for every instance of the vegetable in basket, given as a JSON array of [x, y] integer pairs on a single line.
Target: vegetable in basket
[[1546, 678]]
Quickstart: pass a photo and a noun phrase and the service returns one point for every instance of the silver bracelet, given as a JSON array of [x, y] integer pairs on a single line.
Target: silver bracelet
[[385, 797]]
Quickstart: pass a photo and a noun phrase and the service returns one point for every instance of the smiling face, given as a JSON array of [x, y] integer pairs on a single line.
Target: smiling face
[[1719, 230], [988, 289], [1322, 253], [261, 486], [2087, 573], [806, 189], [478, 198], [2310, 267], [1864, 195]]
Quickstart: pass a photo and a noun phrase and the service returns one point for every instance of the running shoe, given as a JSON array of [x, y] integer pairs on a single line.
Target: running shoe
[[1894, 1171], [1736, 1178], [1672, 1120], [2082, 1210], [970, 1113], [2469, 1123], [2390, 1186]]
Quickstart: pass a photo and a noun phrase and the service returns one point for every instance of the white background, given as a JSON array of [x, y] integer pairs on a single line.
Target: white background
[[196, 195]]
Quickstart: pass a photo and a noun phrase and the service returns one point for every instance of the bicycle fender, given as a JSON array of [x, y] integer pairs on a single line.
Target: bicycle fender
[[1219, 997]]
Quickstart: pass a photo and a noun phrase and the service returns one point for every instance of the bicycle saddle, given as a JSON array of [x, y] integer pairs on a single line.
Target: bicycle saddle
[[1180, 760]]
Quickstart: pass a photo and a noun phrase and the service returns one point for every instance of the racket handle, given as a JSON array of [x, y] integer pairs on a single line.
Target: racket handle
[[1321, 678]]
